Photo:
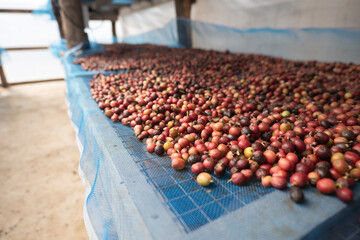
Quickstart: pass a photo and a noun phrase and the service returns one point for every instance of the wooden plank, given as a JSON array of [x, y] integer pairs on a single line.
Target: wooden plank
[[15, 11], [38, 81], [113, 28], [183, 8], [25, 48]]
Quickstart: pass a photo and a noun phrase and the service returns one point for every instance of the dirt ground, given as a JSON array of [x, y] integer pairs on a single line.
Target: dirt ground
[[41, 192]]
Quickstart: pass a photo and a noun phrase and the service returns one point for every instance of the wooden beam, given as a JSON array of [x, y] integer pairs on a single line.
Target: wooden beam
[[37, 81], [113, 28], [183, 9], [25, 48], [16, 11], [4, 83], [56, 10]]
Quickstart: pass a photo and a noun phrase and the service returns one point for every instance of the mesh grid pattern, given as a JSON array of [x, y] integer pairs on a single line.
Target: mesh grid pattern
[[190, 205], [179, 189], [117, 211]]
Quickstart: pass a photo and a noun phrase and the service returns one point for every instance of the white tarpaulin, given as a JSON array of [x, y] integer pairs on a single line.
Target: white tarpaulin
[[247, 14]]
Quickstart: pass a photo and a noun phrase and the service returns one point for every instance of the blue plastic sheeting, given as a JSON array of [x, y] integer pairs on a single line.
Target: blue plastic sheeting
[[58, 48], [115, 39], [322, 44], [2, 50], [136, 195], [164, 36], [122, 2], [3, 55], [73, 70], [47, 9]]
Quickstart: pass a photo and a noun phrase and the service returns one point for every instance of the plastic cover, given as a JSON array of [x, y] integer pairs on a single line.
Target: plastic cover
[[278, 14], [74, 70], [122, 2], [246, 14], [322, 44], [132, 194], [2, 51], [58, 48], [132, 22], [4, 55]]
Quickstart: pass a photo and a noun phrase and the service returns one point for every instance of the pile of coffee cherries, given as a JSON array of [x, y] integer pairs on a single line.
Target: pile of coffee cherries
[[255, 116]]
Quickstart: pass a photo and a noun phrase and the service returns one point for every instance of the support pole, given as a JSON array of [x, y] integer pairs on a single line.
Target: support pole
[[56, 11], [4, 83], [113, 28], [72, 22], [183, 8]]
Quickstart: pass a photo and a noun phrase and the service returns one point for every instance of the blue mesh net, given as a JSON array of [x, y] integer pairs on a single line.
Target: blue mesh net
[[122, 2], [137, 195], [2, 50], [115, 39], [74, 70], [3, 55], [58, 48], [45, 10], [113, 160]]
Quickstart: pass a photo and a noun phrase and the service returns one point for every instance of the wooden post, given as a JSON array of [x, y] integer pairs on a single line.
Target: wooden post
[[72, 22], [56, 11], [183, 8], [3, 78], [113, 28]]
